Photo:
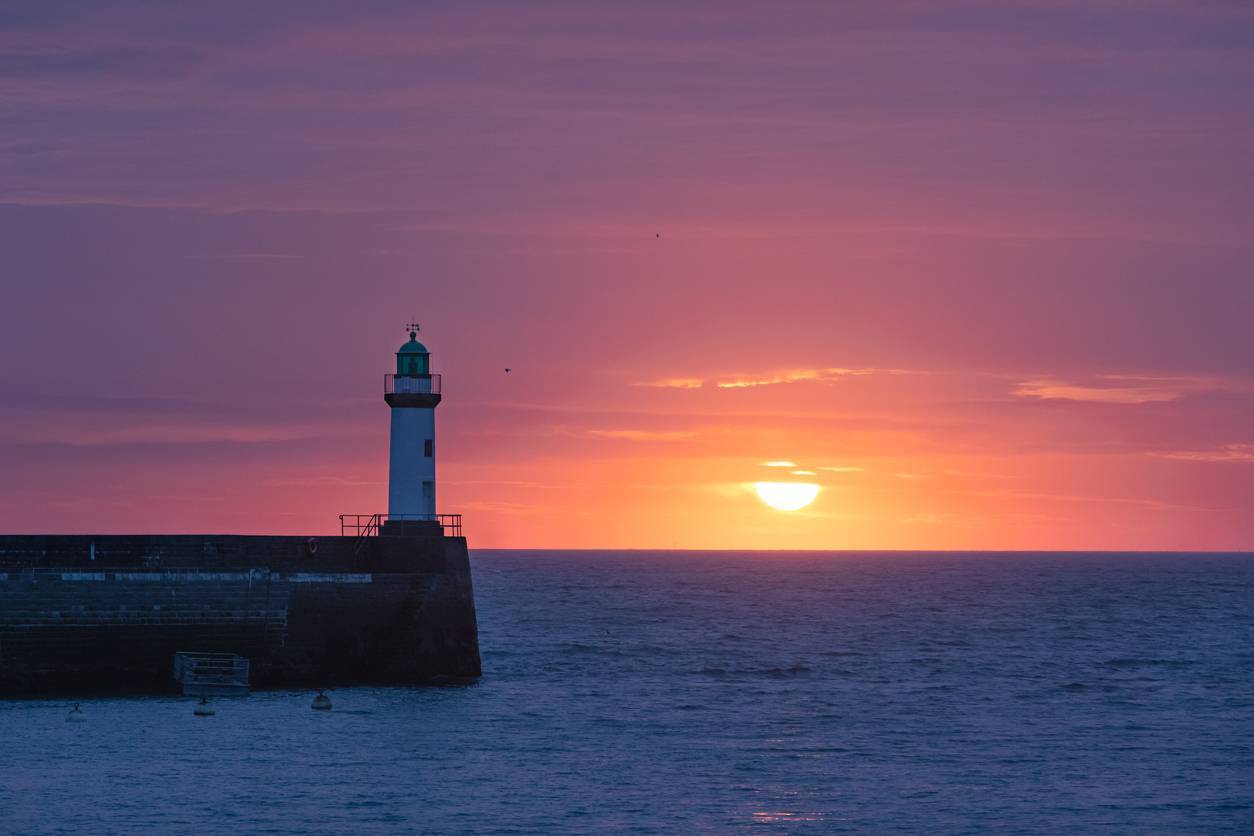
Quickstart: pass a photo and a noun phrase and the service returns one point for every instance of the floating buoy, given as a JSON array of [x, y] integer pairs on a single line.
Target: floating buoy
[[76, 715], [321, 702], [203, 708]]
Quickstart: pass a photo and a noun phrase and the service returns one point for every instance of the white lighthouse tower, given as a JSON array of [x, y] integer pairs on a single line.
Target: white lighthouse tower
[[413, 394]]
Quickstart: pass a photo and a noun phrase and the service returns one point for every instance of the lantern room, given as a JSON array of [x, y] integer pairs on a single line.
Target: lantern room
[[413, 359]]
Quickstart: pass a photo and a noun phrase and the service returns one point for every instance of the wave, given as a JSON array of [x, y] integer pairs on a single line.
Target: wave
[[798, 669], [1135, 662]]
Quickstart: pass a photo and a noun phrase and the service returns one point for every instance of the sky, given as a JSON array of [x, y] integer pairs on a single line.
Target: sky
[[979, 269]]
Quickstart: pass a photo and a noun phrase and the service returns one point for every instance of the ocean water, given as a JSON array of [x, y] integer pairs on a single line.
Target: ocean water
[[687, 692]]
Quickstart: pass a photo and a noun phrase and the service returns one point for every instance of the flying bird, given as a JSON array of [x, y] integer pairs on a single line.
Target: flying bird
[[507, 371]]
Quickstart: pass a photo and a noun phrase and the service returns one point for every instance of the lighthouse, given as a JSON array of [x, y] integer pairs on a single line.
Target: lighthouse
[[413, 393]]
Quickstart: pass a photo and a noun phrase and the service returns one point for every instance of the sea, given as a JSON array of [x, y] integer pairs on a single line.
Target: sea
[[721, 692]]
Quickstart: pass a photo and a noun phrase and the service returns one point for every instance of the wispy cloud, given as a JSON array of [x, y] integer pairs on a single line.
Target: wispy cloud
[[1080, 498], [1126, 389], [521, 508], [1227, 453], [944, 518], [1063, 391], [673, 383], [935, 518], [968, 474], [517, 483], [779, 463], [825, 375], [737, 380], [324, 480], [643, 435], [842, 469], [177, 434]]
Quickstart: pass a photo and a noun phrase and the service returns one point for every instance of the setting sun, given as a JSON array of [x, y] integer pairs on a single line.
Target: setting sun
[[786, 496]]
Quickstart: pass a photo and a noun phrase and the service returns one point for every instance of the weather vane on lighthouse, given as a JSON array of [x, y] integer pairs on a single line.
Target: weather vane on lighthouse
[[413, 394]]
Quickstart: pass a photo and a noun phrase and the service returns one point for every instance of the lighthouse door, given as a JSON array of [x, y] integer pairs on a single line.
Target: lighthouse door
[[428, 497]]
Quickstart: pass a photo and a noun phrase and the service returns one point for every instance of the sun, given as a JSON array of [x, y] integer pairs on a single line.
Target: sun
[[786, 496]]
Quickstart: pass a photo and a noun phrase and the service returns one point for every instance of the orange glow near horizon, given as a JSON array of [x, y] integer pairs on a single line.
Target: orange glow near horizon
[[893, 462], [898, 462]]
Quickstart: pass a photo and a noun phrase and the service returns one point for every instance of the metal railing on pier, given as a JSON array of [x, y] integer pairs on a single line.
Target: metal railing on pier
[[370, 525]]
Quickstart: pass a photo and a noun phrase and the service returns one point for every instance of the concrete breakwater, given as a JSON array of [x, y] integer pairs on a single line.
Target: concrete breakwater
[[106, 614]]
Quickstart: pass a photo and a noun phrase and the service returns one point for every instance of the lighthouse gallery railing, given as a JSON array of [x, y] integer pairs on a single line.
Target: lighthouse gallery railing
[[404, 384]]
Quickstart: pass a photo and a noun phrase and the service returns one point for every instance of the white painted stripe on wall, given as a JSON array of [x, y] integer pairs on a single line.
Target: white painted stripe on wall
[[310, 577], [243, 577], [181, 576]]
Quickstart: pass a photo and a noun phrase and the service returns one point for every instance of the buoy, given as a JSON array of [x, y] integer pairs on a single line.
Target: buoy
[[321, 702], [76, 715], [203, 708]]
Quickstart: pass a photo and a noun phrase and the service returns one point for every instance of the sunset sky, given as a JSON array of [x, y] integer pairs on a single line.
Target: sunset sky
[[979, 269]]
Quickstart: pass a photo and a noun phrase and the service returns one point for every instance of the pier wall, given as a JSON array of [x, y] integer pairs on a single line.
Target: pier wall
[[82, 614]]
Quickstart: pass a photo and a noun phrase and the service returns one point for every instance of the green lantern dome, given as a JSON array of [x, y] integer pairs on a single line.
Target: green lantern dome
[[413, 346], [413, 359]]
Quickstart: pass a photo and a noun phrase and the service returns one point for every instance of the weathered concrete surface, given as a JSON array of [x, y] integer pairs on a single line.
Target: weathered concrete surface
[[83, 614]]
